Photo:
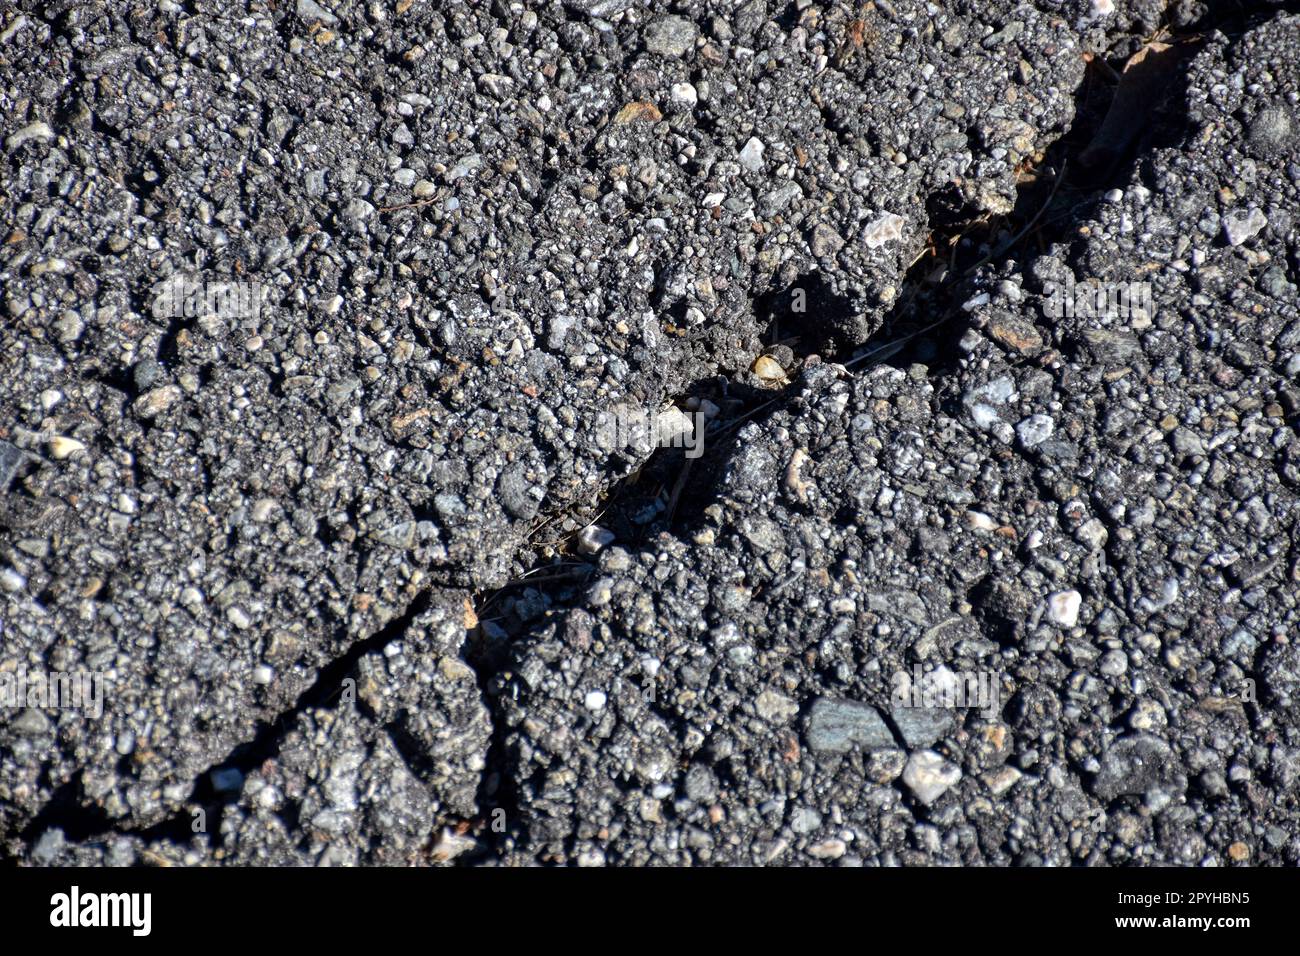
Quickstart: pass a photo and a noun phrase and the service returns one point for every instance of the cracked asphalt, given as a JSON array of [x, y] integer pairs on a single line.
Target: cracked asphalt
[[985, 315]]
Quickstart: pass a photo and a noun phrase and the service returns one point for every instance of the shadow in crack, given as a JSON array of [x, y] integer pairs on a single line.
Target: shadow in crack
[[1112, 130], [670, 492], [803, 317], [220, 784]]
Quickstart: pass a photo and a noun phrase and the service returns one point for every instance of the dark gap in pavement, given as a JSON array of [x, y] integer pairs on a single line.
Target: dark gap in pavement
[[1054, 192], [68, 810], [209, 791], [803, 316], [926, 324], [220, 784]]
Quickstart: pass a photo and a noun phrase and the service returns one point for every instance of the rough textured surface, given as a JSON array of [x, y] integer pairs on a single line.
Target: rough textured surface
[[320, 547]]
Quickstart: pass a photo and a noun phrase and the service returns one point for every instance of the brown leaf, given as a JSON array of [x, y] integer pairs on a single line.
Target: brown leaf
[[1142, 85], [643, 111]]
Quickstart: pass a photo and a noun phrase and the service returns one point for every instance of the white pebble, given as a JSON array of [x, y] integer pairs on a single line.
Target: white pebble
[[1063, 608], [31, 131], [683, 94], [885, 229], [928, 775], [1238, 227], [1035, 430], [751, 157], [593, 539], [62, 447]]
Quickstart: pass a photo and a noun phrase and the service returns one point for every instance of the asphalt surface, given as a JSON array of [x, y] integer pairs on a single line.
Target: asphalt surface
[[314, 317]]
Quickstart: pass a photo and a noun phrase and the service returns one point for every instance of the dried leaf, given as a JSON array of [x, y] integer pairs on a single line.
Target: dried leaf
[[643, 111], [1142, 86]]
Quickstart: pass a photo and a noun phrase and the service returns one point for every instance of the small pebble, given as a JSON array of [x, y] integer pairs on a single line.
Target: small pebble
[[928, 775], [62, 447], [1063, 608], [1238, 227]]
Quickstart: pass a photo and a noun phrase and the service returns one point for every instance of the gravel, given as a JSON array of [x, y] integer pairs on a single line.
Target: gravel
[[311, 313], [837, 726]]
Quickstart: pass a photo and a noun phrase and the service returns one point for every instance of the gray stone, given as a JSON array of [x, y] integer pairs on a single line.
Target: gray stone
[[310, 10], [837, 726], [11, 459], [922, 726], [1136, 765], [1273, 132], [670, 36]]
